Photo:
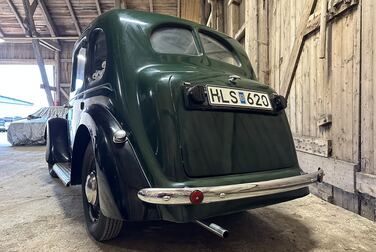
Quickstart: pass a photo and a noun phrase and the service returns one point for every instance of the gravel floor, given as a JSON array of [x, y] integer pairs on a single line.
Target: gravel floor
[[37, 213]]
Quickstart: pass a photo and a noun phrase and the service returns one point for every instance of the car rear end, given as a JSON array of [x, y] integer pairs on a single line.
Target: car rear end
[[210, 138]]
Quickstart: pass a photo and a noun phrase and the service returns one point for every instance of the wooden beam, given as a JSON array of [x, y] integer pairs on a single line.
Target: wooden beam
[[233, 18], [73, 16], [202, 9], [64, 93], [98, 6], [17, 15], [24, 61], [322, 45], [47, 17], [313, 145], [240, 33], [37, 52], [296, 49], [33, 7], [151, 6], [337, 172], [366, 183], [178, 8]]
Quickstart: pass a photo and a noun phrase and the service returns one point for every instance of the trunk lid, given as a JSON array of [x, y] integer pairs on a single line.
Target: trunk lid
[[222, 142]]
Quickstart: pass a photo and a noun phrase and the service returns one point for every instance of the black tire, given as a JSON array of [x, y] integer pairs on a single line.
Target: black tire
[[100, 227], [51, 172]]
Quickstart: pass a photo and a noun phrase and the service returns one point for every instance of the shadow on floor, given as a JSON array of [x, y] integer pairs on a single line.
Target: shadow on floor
[[265, 229]]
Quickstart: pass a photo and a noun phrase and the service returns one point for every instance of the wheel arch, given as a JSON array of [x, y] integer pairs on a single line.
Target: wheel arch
[[81, 140]]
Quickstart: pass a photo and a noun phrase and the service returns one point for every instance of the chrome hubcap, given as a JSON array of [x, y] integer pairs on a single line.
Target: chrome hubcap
[[91, 188]]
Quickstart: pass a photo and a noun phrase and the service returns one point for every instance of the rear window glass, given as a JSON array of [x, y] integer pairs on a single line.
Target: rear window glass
[[174, 41], [215, 50]]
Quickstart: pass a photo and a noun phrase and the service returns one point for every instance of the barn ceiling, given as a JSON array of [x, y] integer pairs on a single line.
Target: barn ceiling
[[68, 17]]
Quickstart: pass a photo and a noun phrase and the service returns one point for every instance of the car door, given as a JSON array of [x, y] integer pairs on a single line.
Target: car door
[[78, 85]]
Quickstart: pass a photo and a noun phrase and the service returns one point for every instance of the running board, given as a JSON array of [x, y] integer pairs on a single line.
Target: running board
[[63, 171]]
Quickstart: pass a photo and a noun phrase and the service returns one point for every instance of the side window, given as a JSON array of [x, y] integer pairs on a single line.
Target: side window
[[79, 77], [98, 56], [215, 50]]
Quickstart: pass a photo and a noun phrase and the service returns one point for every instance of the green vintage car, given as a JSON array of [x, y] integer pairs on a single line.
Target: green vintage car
[[167, 122]]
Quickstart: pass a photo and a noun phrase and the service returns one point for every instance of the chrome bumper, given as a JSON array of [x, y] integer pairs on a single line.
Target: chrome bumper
[[181, 196]]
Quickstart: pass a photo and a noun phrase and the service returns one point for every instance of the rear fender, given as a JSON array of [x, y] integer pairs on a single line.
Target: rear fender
[[119, 173], [57, 147]]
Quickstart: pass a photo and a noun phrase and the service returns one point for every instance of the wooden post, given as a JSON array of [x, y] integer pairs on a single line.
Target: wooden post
[[324, 7], [37, 53], [57, 79], [151, 6]]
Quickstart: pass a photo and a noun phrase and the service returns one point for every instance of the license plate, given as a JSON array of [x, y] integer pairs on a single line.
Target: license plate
[[238, 98]]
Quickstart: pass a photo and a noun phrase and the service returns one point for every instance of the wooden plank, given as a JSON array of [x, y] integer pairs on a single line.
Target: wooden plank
[[17, 15], [233, 18], [313, 145], [239, 35], [368, 60], [73, 16], [98, 6], [366, 183], [151, 6], [297, 49], [50, 24], [324, 7], [337, 172], [178, 8], [263, 41]]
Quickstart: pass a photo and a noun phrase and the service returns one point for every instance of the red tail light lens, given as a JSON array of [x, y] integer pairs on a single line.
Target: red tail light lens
[[196, 197]]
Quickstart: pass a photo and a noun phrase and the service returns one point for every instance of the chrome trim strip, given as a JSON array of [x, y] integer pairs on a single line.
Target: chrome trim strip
[[180, 196]]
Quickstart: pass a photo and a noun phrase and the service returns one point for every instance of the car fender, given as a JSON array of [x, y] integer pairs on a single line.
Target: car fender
[[119, 172]]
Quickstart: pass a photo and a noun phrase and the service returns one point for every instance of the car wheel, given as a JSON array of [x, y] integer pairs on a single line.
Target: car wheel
[[99, 226], [51, 172]]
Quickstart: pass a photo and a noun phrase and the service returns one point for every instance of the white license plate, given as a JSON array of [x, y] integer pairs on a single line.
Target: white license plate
[[232, 97]]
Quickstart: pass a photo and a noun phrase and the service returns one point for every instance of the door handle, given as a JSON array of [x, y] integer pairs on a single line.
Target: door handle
[[68, 106], [82, 105]]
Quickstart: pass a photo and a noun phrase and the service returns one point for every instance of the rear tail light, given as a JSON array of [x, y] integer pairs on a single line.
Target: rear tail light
[[196, 197]]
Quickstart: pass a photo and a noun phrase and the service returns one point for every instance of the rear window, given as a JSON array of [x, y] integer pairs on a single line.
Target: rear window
[[174, 41], [215, 50]]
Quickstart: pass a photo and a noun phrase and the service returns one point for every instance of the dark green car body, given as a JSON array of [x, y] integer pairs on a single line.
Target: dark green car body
[[170, 144]]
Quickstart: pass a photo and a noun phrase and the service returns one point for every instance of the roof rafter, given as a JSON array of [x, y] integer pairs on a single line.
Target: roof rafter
[[48, 19], [73, 15], [97, 4], [17, 15]]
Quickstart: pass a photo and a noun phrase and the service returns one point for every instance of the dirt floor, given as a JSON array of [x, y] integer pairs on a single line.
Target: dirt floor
[[37, 213]]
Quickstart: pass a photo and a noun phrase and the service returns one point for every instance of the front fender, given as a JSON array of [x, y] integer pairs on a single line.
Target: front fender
[[119, 172]]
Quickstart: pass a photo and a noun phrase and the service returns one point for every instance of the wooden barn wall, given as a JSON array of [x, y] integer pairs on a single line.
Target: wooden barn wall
[[191, 10], [339, 88], [368, 79], [327, 86]]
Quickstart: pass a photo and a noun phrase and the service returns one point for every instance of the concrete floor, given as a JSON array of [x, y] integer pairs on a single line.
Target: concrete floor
[[38, 213]]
